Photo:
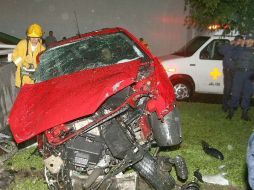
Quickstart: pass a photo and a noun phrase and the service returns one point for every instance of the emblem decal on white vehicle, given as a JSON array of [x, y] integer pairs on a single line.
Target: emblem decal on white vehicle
[[215, 73]]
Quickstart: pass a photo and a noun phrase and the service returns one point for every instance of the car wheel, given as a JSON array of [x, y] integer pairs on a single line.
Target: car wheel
[[182, 89]]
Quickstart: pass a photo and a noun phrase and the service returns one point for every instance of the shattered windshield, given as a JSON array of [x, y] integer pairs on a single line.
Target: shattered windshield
[[89, 53], [192, 46]]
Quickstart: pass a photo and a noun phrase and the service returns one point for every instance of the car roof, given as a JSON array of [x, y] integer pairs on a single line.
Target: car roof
[[222, 37], [89, 34]]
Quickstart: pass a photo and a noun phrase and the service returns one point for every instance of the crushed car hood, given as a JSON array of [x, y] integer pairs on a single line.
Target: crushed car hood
[[44, 105]]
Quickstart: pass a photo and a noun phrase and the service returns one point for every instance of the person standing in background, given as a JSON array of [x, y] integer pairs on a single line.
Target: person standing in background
[[50, 39], [242, 86], [228, 69]]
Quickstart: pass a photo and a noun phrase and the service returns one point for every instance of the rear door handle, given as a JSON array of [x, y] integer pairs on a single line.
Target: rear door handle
[[192, 64]]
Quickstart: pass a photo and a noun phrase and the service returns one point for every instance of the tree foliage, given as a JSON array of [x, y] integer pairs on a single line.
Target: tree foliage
[[229, 14]]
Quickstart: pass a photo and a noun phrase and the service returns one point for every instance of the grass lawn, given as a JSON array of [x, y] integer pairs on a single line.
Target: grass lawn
[[207, 122], [200, 121]]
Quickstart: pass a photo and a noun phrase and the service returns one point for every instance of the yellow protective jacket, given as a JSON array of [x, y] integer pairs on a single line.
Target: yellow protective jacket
[[22, 57]]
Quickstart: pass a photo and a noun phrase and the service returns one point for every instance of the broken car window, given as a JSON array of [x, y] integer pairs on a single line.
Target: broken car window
[[88, 53]]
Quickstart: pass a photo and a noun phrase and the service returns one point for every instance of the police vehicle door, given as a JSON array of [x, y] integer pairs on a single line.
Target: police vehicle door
[[209, 67]]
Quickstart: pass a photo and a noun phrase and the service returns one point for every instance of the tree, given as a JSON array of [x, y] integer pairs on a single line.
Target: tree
[[228, 14]]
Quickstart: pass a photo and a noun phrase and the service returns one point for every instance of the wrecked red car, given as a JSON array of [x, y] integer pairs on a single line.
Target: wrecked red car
[[100, 102]]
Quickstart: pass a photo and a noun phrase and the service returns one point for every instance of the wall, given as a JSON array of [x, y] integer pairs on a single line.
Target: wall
[[159, 22]]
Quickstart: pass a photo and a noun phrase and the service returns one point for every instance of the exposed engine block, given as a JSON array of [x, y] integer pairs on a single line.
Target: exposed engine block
[[84, 151]]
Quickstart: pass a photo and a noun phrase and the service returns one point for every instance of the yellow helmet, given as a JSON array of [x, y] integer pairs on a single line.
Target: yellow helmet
[[34, 31]]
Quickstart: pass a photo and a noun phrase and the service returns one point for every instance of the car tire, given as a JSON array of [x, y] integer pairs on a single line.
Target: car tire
[[183, 89]]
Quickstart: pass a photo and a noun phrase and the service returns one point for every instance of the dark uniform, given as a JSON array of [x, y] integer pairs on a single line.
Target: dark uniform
[[242, 86], [228, 72]]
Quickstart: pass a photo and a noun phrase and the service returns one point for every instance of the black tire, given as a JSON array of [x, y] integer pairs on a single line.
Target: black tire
[[183, 89], [148, 169], [191, 186]]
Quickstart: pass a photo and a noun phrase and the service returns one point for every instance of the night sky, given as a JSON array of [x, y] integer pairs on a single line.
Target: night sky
[[159, 22]]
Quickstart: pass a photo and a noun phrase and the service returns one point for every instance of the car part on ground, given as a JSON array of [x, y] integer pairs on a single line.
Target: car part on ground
[[6, 177], [212, 151], [8, 149], [198, 175], [191, 186]]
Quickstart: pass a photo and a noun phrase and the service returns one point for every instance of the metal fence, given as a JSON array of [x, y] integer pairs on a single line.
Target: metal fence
[[7, 91]]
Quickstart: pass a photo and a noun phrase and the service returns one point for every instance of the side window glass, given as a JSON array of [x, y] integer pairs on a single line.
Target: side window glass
[[211, 51], [206, 52], [217, 45]]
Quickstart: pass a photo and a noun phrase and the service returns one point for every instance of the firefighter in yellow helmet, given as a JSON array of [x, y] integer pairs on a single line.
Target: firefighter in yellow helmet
[[25, 53]]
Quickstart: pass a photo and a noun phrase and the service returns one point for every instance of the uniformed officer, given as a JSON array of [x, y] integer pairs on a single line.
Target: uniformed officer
[[242, 86], [228, 69]]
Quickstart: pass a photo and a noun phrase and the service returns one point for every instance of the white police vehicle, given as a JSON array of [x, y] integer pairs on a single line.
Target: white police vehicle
[[196, 67]]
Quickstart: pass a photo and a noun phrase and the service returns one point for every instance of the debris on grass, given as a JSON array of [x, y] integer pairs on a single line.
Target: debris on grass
[[218, 179], [212, 151]]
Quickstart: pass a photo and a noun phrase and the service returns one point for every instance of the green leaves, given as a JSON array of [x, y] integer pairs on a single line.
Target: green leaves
[[237, 14]]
